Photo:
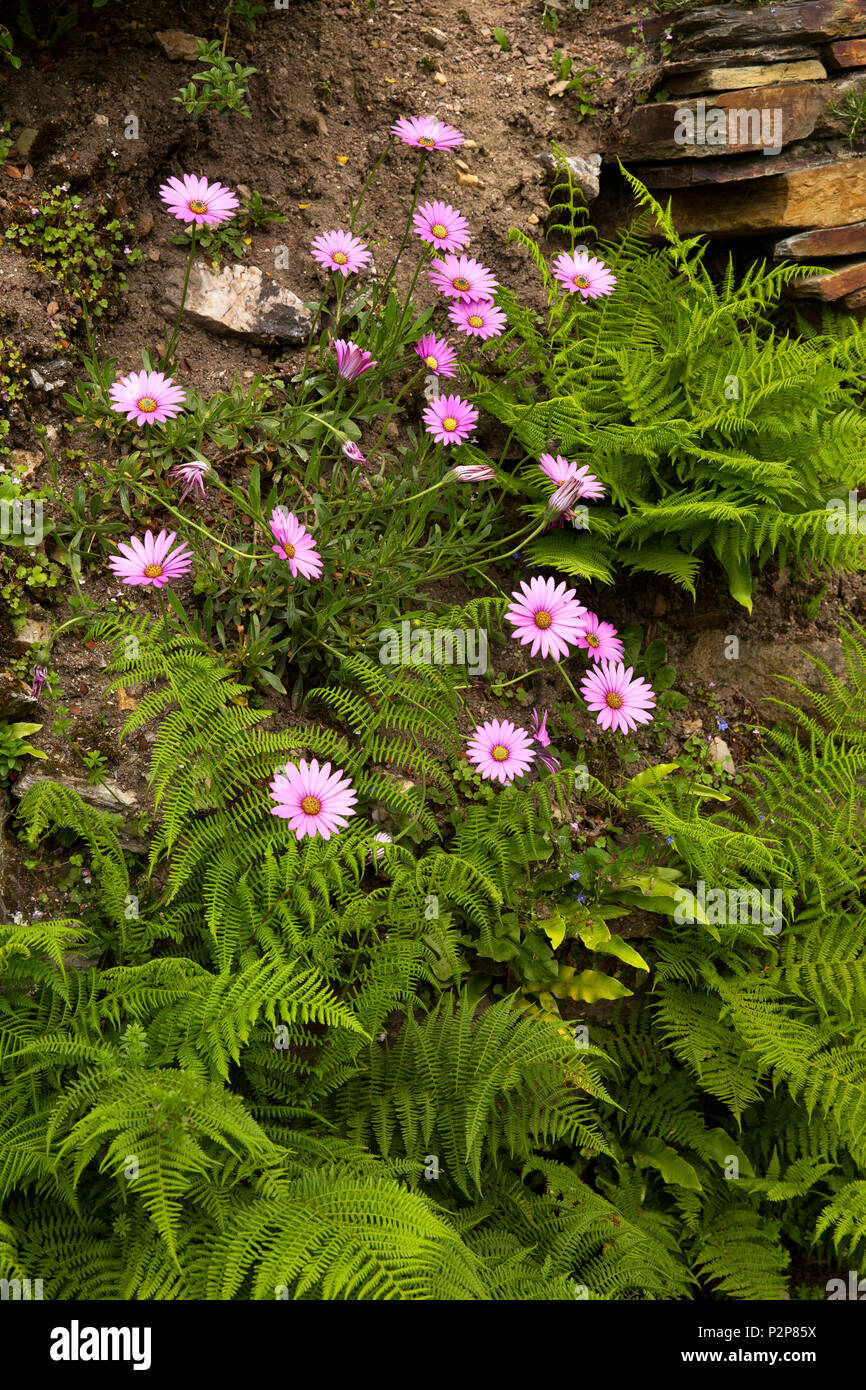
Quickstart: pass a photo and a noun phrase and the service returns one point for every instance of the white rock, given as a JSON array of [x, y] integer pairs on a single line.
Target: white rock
[[108, 799], [32, 634], [240, 300], [720, 753], [585, 170]]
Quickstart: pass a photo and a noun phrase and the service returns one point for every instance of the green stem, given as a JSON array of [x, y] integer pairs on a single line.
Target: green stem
[[399, 396], [168, 356], [407, 305], [402, 247], [356, 207], [496, 686], [565, 677], [182, 516]]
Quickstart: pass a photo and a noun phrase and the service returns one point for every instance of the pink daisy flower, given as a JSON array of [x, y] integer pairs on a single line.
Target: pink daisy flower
[[618, 701], [340, 251], [195, 200], [500, 751], [565, 496], [478, 317], [450, 420], [539, 728], [152, 560], [582, 274], [442, 226], [542, 737], [148, 398], [561, 470], [294, 544], [314, 800], [382, 838], [547, 615], [352, 452], [427, 134], [473, 473], [461, 277], [600, 639], [192, 475], [437, 354], [352, 361]]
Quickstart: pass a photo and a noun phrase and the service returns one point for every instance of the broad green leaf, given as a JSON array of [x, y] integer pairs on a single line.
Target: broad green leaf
[[654, 1153], [615, 946], [648, 778], [554, 930], [721, 1147], [589, 986]]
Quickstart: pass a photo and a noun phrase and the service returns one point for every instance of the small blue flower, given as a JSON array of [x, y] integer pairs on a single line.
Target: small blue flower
[[721, 723], [761, 816], [669, 840], [574, 875], [581, 898]]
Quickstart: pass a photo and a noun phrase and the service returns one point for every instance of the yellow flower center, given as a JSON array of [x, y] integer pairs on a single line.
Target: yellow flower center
[[438, 230], [146, 404], [449, 422], [592, 640], [198, 207], [311, 805], [613, 700], [431, 362], [581, 282], [461, 284], [500, 753], [476, 321], [340, 257], [153, 571], [289, 549], [427, 141], [543, 618]]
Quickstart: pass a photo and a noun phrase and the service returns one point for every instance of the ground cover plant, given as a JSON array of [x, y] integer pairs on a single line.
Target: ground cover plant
[[403, 990]]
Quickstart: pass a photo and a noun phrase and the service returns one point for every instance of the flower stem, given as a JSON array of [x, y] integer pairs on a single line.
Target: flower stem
[[402, 247], [171, 343], [566, 678], [399, 396], [182, 516]]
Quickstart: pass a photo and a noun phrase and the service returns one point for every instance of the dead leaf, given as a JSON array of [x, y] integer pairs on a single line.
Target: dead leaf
[[51, 308], [28, 171], [13, 172], [124, 701], [469, 178]]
